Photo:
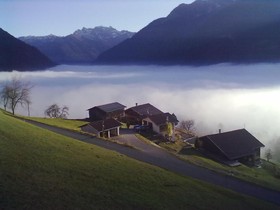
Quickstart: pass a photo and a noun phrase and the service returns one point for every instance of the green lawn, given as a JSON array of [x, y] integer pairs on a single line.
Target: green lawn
[[262, 176], [43, 170], [58, 122]]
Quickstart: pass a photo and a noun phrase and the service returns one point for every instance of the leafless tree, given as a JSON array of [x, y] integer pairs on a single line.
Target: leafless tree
[[64, 112], [16, 92], [4, 96], [28, 107], [185, 129], [187, 125], [54, 111], [268, 155]]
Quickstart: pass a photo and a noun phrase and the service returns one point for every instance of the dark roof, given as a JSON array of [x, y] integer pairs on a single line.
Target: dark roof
[[108, 124], [235, 144], [146, 109], [110, 107], [161, 119]]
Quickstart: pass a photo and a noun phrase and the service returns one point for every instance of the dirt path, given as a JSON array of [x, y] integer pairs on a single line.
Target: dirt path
[[159, 157]]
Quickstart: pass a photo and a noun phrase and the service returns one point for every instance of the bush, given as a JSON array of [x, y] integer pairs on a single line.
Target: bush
[[277, 172], [272, 168]]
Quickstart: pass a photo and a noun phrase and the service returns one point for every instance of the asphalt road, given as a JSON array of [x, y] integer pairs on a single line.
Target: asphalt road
[[161, 158]]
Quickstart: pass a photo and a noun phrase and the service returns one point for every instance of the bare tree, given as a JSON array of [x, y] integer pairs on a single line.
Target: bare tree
[[16, 92], [54, 111], [64, 112], [186, 129], [268, 155], [4, 96], [28, 107], [187, 125]]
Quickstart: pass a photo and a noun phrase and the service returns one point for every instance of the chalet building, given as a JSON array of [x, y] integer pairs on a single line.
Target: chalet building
[[103, 128], [158, 123], [232, 147], [136, 114], [107, 111]]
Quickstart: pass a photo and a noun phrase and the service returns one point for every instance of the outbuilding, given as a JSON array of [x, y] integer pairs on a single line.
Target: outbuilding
[[103, 128], [232, 147]]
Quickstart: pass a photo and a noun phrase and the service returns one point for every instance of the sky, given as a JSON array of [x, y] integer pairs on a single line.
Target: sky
[[63, 17]]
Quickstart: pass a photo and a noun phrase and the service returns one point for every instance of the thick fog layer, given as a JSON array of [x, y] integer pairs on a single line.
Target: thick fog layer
[[220, 96]]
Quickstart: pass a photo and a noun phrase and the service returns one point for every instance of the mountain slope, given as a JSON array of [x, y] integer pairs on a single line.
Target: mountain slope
[[17, 55], [83, 46], [206, 31]]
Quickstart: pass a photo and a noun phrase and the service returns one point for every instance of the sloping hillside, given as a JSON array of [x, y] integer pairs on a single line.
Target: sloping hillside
[[206, 32], [17, 55], [43, 170]]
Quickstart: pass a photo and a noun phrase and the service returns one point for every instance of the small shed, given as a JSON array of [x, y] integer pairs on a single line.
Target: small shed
[[112, 110], [237, 145], [103, 128]]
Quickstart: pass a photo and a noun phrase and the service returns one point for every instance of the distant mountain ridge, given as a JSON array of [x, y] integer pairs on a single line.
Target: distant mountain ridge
[[17, 55], [206, 32], [81, 47]]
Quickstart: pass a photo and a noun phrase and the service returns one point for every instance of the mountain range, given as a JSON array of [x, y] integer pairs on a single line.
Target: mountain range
[[16, 55], [81, 47], [205, 32]]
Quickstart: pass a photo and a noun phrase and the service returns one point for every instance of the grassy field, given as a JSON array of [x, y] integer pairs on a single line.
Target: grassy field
[[264, 176], [260, 176], [58, 122], [43, 170]]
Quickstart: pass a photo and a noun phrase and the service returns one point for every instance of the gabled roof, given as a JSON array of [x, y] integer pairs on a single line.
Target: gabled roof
[[235, 144], [110, 107], [146, 110], [108, 124], [161, 119]]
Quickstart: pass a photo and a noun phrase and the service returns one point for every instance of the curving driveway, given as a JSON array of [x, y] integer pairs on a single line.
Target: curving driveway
[[127, 136], [161, 158]]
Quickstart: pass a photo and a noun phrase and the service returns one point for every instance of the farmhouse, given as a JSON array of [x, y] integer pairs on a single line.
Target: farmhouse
[[232, 147], [136, 114], [103, 128], [113, 110], [158, 123]]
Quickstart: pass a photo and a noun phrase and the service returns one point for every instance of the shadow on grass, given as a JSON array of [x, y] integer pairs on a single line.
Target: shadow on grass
[[190, 151]]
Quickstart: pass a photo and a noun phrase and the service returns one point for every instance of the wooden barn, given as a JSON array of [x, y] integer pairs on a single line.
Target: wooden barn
[[113, 110], [232, 147]]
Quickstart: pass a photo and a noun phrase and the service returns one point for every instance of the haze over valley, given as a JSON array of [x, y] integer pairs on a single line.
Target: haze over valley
[[223, 96]]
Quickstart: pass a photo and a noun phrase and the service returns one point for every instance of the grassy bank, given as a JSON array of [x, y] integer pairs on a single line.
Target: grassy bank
[[264, 176], [58, 122], [43, 170]]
